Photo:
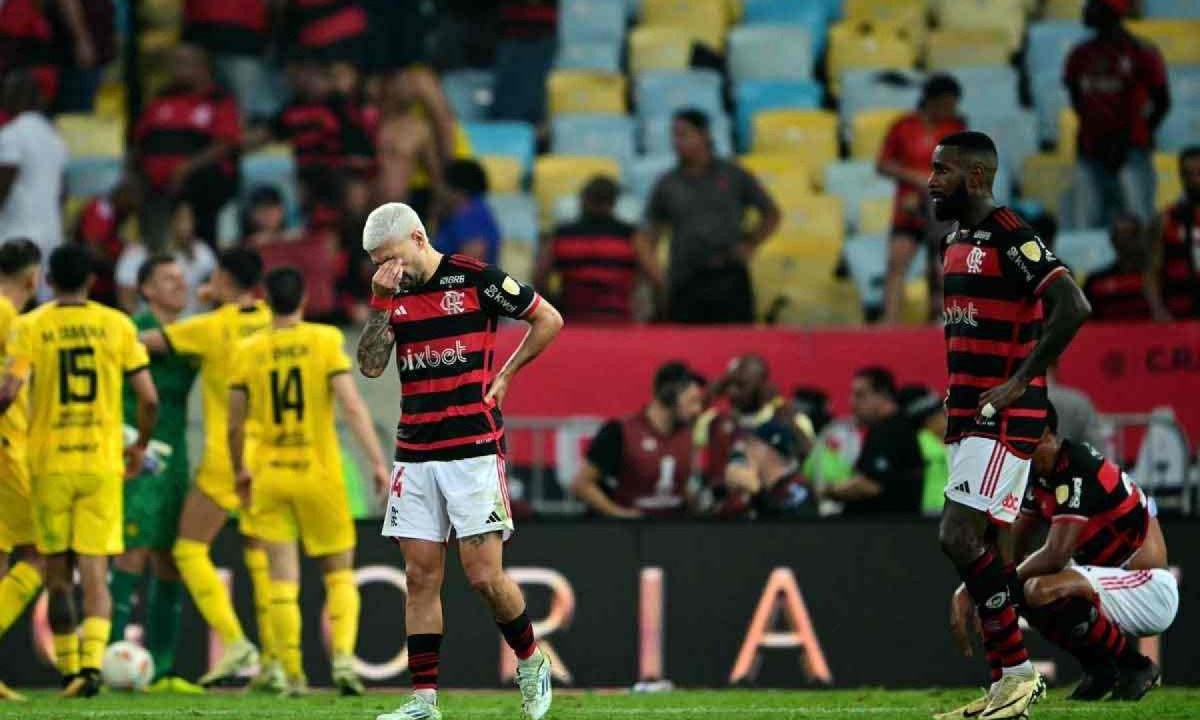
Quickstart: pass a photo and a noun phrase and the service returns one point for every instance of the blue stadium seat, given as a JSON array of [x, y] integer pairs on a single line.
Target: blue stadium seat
[[594, 135], [591, 21], [1181, 128], [1016, 136], [1184, 81], [513, 139], [599, 56], [854, 181], [1048, 44], [656, 134], [988, 91], [811, 14], [278, 171], [1167, 9], [1049, 98], [790, 55], [752, 96], [470, 93], [517, 216], [1084, 251], [90, 176], [645, 170], [870, 89], [664, 92], [866, 258]]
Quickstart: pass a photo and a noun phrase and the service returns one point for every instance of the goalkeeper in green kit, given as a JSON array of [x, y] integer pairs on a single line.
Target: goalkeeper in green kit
[[154, 499]]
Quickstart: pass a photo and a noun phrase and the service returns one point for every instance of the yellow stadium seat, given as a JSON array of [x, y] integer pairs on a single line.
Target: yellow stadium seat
[[1046, 178], [793, 282], [811, 135], [869, 128], [162, 13], [581, 91], [555, 176], [916, 302], [155, 43], [503, 172], [657, 47], [1063, 9], [1068, 130], [110, 99], [875, 215], [734, 8], [707, 20], [784, 176], [1007, 16], [1178, 40], [911, 15], [817, 217], [89, 135], [1170, 187], [855, 46], [948, 49], [517, 260]]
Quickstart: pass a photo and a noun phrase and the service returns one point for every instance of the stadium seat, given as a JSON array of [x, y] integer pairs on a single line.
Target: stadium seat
[[503, 172], [1068, 130], [705, 19], [854, 181], [656, 134], [1181, 128], [814, 15], [784, 177], [1015, 135], [868, 130], [645, 170], [1185, 84], [1006, 16], [110, 99], [752, 96], [875, 215], [558, 175], [1182, 9], [1049, 99], [952, 48], [866, 259], [874, 88], [518, 260], [1049, 43], [88, 135], [853, 47], [469, 93], [1063, 9], [1084, 251], [576, 91], [1046, 178], [988, 91], [517, 216], [662, 92], [90, 176], [629, 208], [912, 15], [659, 48], [510, 139], [594, 135], [1176, 39], [812, 133], [790, 56], [1170, 186], [602, 57], [815, 216], [591, 21], [793, 281]]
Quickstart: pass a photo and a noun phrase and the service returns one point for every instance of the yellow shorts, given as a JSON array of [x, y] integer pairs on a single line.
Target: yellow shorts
[[16, 513], [78, 512], [217, 484], [309, 506]]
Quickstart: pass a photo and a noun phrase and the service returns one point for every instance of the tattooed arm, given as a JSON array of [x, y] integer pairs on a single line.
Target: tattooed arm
[[375, 344]]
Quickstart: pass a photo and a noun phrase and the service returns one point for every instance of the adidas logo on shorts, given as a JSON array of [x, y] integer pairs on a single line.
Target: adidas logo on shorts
[[963, 487], [494, 518]]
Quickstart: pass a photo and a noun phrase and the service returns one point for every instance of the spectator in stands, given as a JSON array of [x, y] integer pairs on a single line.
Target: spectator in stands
[[1173, 274], [236, 34], [639, 465], [32, 160], [524, 55], [99, 227], [1078, 420], [27, 42], [264, 219], [329, 31], [889, 473], [185, 145], [467, 226], [417, 137], [774, 483], [593, 258], [1118, 87], [927, 413], [1118, 292], [702, 203], [192, 253], [906, 157], [85, 41]]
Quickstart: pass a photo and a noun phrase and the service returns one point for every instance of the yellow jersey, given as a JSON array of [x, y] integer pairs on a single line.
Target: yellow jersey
[[14, 424], [211, 337], [286, 374], [74, 358]]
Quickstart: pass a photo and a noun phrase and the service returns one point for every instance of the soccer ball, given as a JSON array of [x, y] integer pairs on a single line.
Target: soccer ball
[[127, 666]]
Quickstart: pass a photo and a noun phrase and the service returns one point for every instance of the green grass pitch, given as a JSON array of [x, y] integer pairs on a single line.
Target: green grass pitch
[[684, 705]]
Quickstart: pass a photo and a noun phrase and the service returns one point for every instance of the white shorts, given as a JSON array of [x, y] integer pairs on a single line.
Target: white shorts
[[430, 498], [986, 476], [1140, 602]]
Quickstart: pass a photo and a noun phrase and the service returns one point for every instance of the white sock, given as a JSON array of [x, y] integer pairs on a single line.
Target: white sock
[[534, 658], [429, 695], [1025, 669]]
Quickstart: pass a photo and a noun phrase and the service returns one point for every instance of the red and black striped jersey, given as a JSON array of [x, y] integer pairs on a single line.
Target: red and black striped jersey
[[1180, 273], [1117, 295], [1086, 488], [995, 274], [598, 265], [180, 124], [329, 132], [445, 351]]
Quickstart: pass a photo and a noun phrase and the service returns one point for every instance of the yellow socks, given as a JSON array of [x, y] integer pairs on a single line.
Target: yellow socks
[[210, 596], [93, 638], [342, 604], [285, 621], [18, 587], [260, 581], [66, 654]]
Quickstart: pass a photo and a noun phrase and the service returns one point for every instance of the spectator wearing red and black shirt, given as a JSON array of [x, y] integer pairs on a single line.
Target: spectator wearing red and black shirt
[[1118, 292], [594, 258], [640, 465], [904, 157], [99, 227], [1118, 87], [326, 30], [1173, 273], [27, 41], [236, 34], [186, 143]]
